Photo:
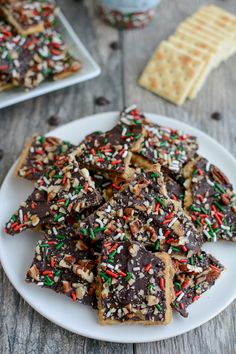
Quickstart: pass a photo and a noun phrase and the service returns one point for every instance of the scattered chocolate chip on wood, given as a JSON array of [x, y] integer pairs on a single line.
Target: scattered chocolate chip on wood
[[216, 116], [1, 154], [101, 101], [114, 45], [54, 120]]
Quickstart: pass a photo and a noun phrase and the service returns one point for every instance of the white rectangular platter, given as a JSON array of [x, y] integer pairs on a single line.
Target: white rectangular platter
[[89, 70]]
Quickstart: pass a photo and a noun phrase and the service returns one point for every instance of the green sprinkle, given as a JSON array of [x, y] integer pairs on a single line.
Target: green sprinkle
[[58, 272], [177, 285], [137, 136], [175, 249], [159, 307], [44, 245], [200, 258], [103, 275], [91, 233], [67, 202], [154, 175], [41, 139], [160, 201], [111, 255], [191, 260], [59, 245], [204, 210], [157, 246], [57, 217], [48, 281], [217, 186], [151, 286], [58, 176], [129, 276], [83, 232], [219, 207], [195, 171], [98, 229], [61, 237], [14, 217]]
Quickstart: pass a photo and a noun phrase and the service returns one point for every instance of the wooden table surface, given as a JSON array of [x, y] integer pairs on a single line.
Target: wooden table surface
[[23, 330]]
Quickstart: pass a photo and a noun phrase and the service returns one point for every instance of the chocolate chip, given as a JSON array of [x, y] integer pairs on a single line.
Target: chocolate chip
[[1, 154], [114, 45], [54, 120], [216, 116], [101, 101]]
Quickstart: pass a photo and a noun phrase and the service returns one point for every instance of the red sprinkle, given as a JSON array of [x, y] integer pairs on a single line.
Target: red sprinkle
[[116, 162], [162, 283], [200, 197], [122, 273], [157, 207], [215, 268], [113, 247], [196, 297], [148, 267], [200, 172], [73, 296], [116, 187], [181, 305], [109, 272], [185, 284], [184, 248], [52, 262]]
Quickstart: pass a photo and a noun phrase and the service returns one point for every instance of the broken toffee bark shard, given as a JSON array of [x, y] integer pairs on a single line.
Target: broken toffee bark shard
[[111, 151], [29, 17], [143, 212], [169, 147], [194, 277], [57, 194], [61, 263], [210, 200], [134, 286], [40, 154]]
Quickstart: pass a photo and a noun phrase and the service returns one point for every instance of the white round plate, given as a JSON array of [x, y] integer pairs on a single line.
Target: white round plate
[[16, 252]]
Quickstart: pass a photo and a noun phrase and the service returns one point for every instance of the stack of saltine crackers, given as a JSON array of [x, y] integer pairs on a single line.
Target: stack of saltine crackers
[[179, 67]]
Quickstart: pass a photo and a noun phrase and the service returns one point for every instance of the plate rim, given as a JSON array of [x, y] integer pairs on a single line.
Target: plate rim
[[105, 115], [60, 84]]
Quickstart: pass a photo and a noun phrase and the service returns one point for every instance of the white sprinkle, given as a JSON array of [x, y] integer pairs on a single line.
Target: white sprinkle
[[110, 266], [99, 222], [136, 269], [119, 249], [21, 216], [210, 182], [207, 234], [207, 166], [180, 296], [54, 230], [170, 250], [61, 219], [98, 176], [108, 209], [130, 108], [224, 227]]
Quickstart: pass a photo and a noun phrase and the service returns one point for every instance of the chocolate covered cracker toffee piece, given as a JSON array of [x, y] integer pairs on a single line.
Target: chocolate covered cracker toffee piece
[[28, 16], [143, 212], [62, 263], [193, 277], [168, 147], [57, 194], [134, 285], [111, 151], [27, 61], [40, 154], [210, 200]]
